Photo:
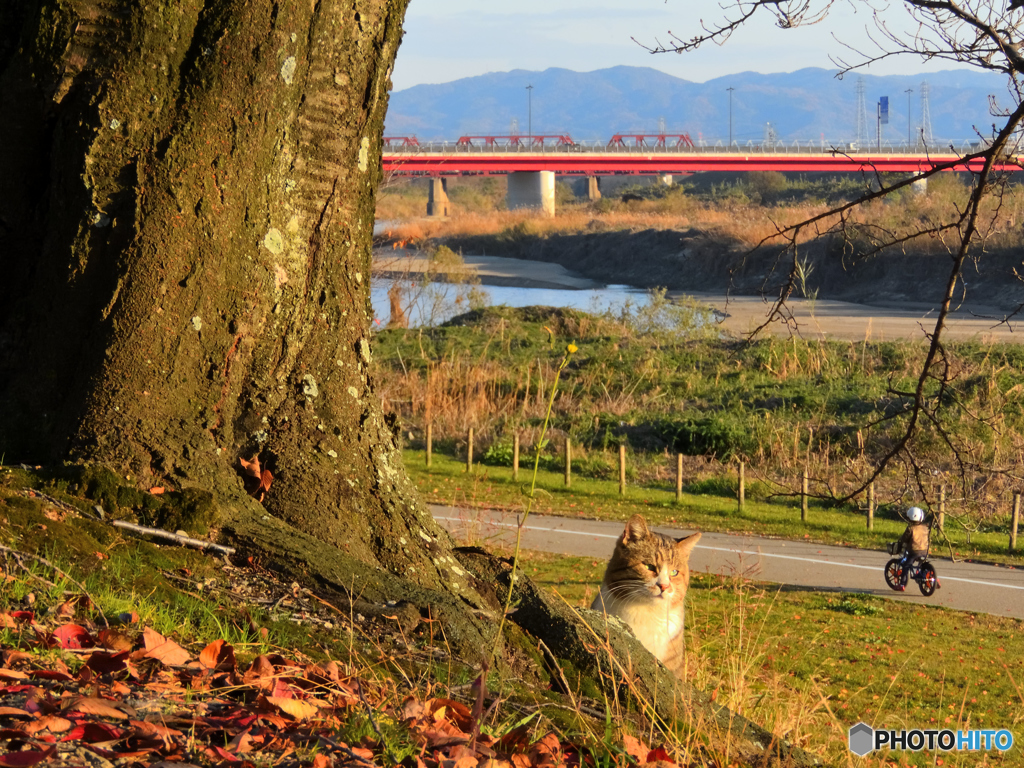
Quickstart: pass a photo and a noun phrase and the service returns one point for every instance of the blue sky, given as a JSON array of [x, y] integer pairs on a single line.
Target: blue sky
[[449, 39]]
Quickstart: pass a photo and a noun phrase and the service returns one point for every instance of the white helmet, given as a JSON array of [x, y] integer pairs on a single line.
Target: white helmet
[[915, 515]]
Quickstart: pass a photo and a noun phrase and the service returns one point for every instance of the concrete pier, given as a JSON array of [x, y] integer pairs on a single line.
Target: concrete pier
[[532, 189], [437, 203], [593, 188]]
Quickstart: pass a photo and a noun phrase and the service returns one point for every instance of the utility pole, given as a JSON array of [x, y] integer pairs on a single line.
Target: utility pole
[[529, 116], [910, 123], [730, 89]]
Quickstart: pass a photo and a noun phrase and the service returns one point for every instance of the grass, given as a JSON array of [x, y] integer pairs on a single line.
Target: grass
[[446, 482], [808, 665], [781, 405]]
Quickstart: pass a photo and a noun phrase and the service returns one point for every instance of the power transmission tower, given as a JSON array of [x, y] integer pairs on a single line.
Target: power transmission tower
[[926, 117], [862, 114]]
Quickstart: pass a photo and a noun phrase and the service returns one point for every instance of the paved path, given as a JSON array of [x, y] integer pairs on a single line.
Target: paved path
[[991, 589]]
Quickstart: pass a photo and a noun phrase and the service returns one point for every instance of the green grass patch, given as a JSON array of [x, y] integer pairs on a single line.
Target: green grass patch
[[447, 482], [810, 664]]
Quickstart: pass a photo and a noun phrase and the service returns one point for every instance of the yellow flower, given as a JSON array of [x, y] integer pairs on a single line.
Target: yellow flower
[[571, 348]]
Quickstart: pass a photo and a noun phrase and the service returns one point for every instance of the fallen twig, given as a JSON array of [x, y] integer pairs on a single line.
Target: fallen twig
[[176, 537]]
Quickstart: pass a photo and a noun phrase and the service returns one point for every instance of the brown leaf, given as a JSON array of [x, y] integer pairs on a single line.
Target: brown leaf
[[50, 723], [218, 655], [95, 706], [412, 709], [265, 480], [163, 650], [116, 640], [156, 490], [635, 748], [321, 761], [13, 712], [252, 468]]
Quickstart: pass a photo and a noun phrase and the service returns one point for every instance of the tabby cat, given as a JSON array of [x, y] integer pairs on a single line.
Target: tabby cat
[[645, 585]]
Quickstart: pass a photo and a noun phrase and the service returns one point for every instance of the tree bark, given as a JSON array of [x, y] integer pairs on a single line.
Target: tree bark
[[186, 211]]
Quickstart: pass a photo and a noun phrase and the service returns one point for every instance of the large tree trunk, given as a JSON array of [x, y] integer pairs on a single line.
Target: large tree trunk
[[186, 211]]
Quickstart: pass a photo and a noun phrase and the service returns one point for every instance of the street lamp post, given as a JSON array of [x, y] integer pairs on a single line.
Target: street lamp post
[[529, 116], [910, 124], [730, 89]]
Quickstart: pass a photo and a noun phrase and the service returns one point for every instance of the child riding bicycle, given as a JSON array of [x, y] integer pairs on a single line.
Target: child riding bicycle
[[914, 542]]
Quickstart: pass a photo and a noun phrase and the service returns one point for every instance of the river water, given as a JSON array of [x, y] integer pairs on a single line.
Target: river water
[[509, 282]]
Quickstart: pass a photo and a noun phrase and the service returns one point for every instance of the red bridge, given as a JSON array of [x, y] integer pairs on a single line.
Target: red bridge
[[572, 159], [531, 165]]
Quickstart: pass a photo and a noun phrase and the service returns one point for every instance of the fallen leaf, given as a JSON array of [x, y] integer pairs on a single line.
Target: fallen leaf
[[51, 723], [156, 490], [218, 655], [116, 640], [25, 759], [252, 468], [13, 712], [163, 650], [95, 706], [296, 708], [635, 748], [73, 636]]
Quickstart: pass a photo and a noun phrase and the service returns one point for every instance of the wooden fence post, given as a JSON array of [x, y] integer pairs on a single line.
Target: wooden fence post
[[1014, 522], [679, 477], [568, 462], [515, 456], [942, 507], [469, 451], [871, 506], [622, 469], [803, 498], [430, 442], [742, 487]]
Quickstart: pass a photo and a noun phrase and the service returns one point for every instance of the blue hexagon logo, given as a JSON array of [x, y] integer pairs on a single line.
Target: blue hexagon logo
[[862, 739]]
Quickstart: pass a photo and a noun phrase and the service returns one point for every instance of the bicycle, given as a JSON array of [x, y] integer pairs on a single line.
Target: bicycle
[[921, 571]]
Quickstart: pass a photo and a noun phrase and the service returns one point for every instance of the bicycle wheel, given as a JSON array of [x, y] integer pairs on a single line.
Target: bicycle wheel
[[927, 580], [893, 573]]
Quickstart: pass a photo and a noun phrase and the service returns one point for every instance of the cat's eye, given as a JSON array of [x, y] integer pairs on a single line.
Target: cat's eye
[[652, 568], [673, 573]]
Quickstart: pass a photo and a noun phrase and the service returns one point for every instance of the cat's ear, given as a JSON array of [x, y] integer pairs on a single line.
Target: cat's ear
[[636, 529], [685, 546]]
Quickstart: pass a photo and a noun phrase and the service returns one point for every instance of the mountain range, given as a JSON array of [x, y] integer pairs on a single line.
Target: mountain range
[[809, 105]]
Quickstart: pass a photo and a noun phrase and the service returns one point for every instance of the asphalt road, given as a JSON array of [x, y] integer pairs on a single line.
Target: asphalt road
[[993, 589]]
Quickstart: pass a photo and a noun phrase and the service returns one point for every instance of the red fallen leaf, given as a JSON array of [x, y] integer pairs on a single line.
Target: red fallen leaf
[[101, 555], [92, 732], [219, 753], [25, 759], [94, 706], [321, 761], [163, 650], [266, 478], [659, 755], [242, 743], [73, 636], [12, 734], [218, 655], [23, 617]]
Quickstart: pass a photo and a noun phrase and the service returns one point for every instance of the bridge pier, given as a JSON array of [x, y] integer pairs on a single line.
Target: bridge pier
[[593, 188], [666, 179], [437, 202], [531, 189]]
